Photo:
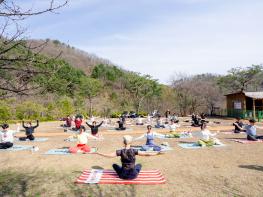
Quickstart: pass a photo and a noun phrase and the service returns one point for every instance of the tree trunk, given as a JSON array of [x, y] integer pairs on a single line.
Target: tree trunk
[[90, 107]]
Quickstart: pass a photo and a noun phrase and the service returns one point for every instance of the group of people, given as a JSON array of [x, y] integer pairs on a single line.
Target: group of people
[[7, 135], [129, 169], [198, 120]]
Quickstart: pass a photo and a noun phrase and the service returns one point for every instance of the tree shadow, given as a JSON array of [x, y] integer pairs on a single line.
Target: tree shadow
[[97, 167], [252, 167]]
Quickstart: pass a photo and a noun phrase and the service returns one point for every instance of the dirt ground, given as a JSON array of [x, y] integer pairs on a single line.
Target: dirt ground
[[233, 170]]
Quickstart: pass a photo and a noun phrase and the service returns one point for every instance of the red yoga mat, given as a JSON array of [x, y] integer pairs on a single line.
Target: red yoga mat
[[149, 177]]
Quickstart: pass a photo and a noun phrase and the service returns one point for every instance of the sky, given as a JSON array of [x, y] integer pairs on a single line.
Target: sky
[[158, 37]]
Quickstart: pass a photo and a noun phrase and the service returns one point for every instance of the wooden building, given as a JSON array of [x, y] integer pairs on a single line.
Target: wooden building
[[245, 104]]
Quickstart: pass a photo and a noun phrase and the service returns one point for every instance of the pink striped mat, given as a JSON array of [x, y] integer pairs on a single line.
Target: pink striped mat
[[244, 141], [149, 177]]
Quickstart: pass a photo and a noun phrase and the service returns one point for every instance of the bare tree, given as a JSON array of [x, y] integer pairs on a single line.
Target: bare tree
[[18, 63]]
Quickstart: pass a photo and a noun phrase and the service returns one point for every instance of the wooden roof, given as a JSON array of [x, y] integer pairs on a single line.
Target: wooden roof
[[254, 95]]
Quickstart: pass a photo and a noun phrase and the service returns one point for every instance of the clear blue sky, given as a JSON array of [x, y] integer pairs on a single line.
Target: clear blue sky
[[159, 37]]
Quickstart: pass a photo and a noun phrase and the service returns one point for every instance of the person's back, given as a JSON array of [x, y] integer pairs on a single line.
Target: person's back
[[128, 170], [251, 130]]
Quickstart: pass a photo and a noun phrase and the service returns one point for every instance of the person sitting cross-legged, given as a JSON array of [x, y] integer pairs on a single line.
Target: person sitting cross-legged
[[129, 169]]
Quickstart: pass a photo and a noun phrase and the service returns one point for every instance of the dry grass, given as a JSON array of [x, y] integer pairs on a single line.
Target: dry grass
[[234, 170]]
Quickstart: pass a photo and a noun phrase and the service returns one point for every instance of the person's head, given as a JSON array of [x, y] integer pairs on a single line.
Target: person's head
[[238, 119], [29, 123], [172, 121], [82, 129], [203, 126], [5, 127], [127, 140], [252, 121], [94, 123], [149, 128], [78, 118]]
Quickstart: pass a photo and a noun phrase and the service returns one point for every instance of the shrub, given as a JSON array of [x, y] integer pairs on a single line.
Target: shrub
[[5, 112], [116, 114]]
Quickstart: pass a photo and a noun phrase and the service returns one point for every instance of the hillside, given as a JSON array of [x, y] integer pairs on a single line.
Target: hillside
[[76, 57]]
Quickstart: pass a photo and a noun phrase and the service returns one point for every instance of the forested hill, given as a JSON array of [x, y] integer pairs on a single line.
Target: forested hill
[[75, 57], [36, 85]]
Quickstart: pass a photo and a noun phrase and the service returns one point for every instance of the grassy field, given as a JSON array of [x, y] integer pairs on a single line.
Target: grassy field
[[233, 170]]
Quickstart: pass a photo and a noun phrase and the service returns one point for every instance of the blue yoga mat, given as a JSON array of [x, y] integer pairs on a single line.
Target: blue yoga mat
[[18, 148], [195, 145], [39, 139], [163, 148], [58, 152]]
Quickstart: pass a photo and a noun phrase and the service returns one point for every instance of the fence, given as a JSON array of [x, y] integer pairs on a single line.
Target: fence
[[244, 114]]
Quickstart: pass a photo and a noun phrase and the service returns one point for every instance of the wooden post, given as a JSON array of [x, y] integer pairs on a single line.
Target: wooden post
[[254, 108]]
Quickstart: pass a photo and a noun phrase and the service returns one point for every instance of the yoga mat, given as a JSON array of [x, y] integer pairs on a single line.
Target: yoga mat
[[182, 136], [244, 141], [163, 148], [64, 151], [18, 148], [38, 139], [195, 145], [93, 176], [75, 140], [113, 129]]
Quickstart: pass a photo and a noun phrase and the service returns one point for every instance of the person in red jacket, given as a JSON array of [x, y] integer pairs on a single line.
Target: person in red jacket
[[78, 122]]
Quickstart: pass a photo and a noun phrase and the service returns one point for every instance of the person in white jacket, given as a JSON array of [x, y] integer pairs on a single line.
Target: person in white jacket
[[139, 121], [7, 137], [207, 138]]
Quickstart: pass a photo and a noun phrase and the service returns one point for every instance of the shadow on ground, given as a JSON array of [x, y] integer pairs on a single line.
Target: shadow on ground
[[42, 183], [252, 167]]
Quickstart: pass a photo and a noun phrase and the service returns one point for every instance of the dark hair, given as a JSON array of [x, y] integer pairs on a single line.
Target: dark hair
[[149, 126], [5, 126], [252, 120], [238, 118], [82, 127], [94, 122]]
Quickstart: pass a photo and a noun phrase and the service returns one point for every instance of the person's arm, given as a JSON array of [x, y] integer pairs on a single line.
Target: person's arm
[[17, 129], [92, 137], [100, 124], [144, 153], [239, 126], [36, 125], [158, 135], [258, 127], [140, 138], [23, 124], [111, 155], [88, 125]]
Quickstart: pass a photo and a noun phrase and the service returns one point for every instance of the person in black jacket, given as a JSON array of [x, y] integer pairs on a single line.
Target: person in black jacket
[[94, 128], [29, 131]]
